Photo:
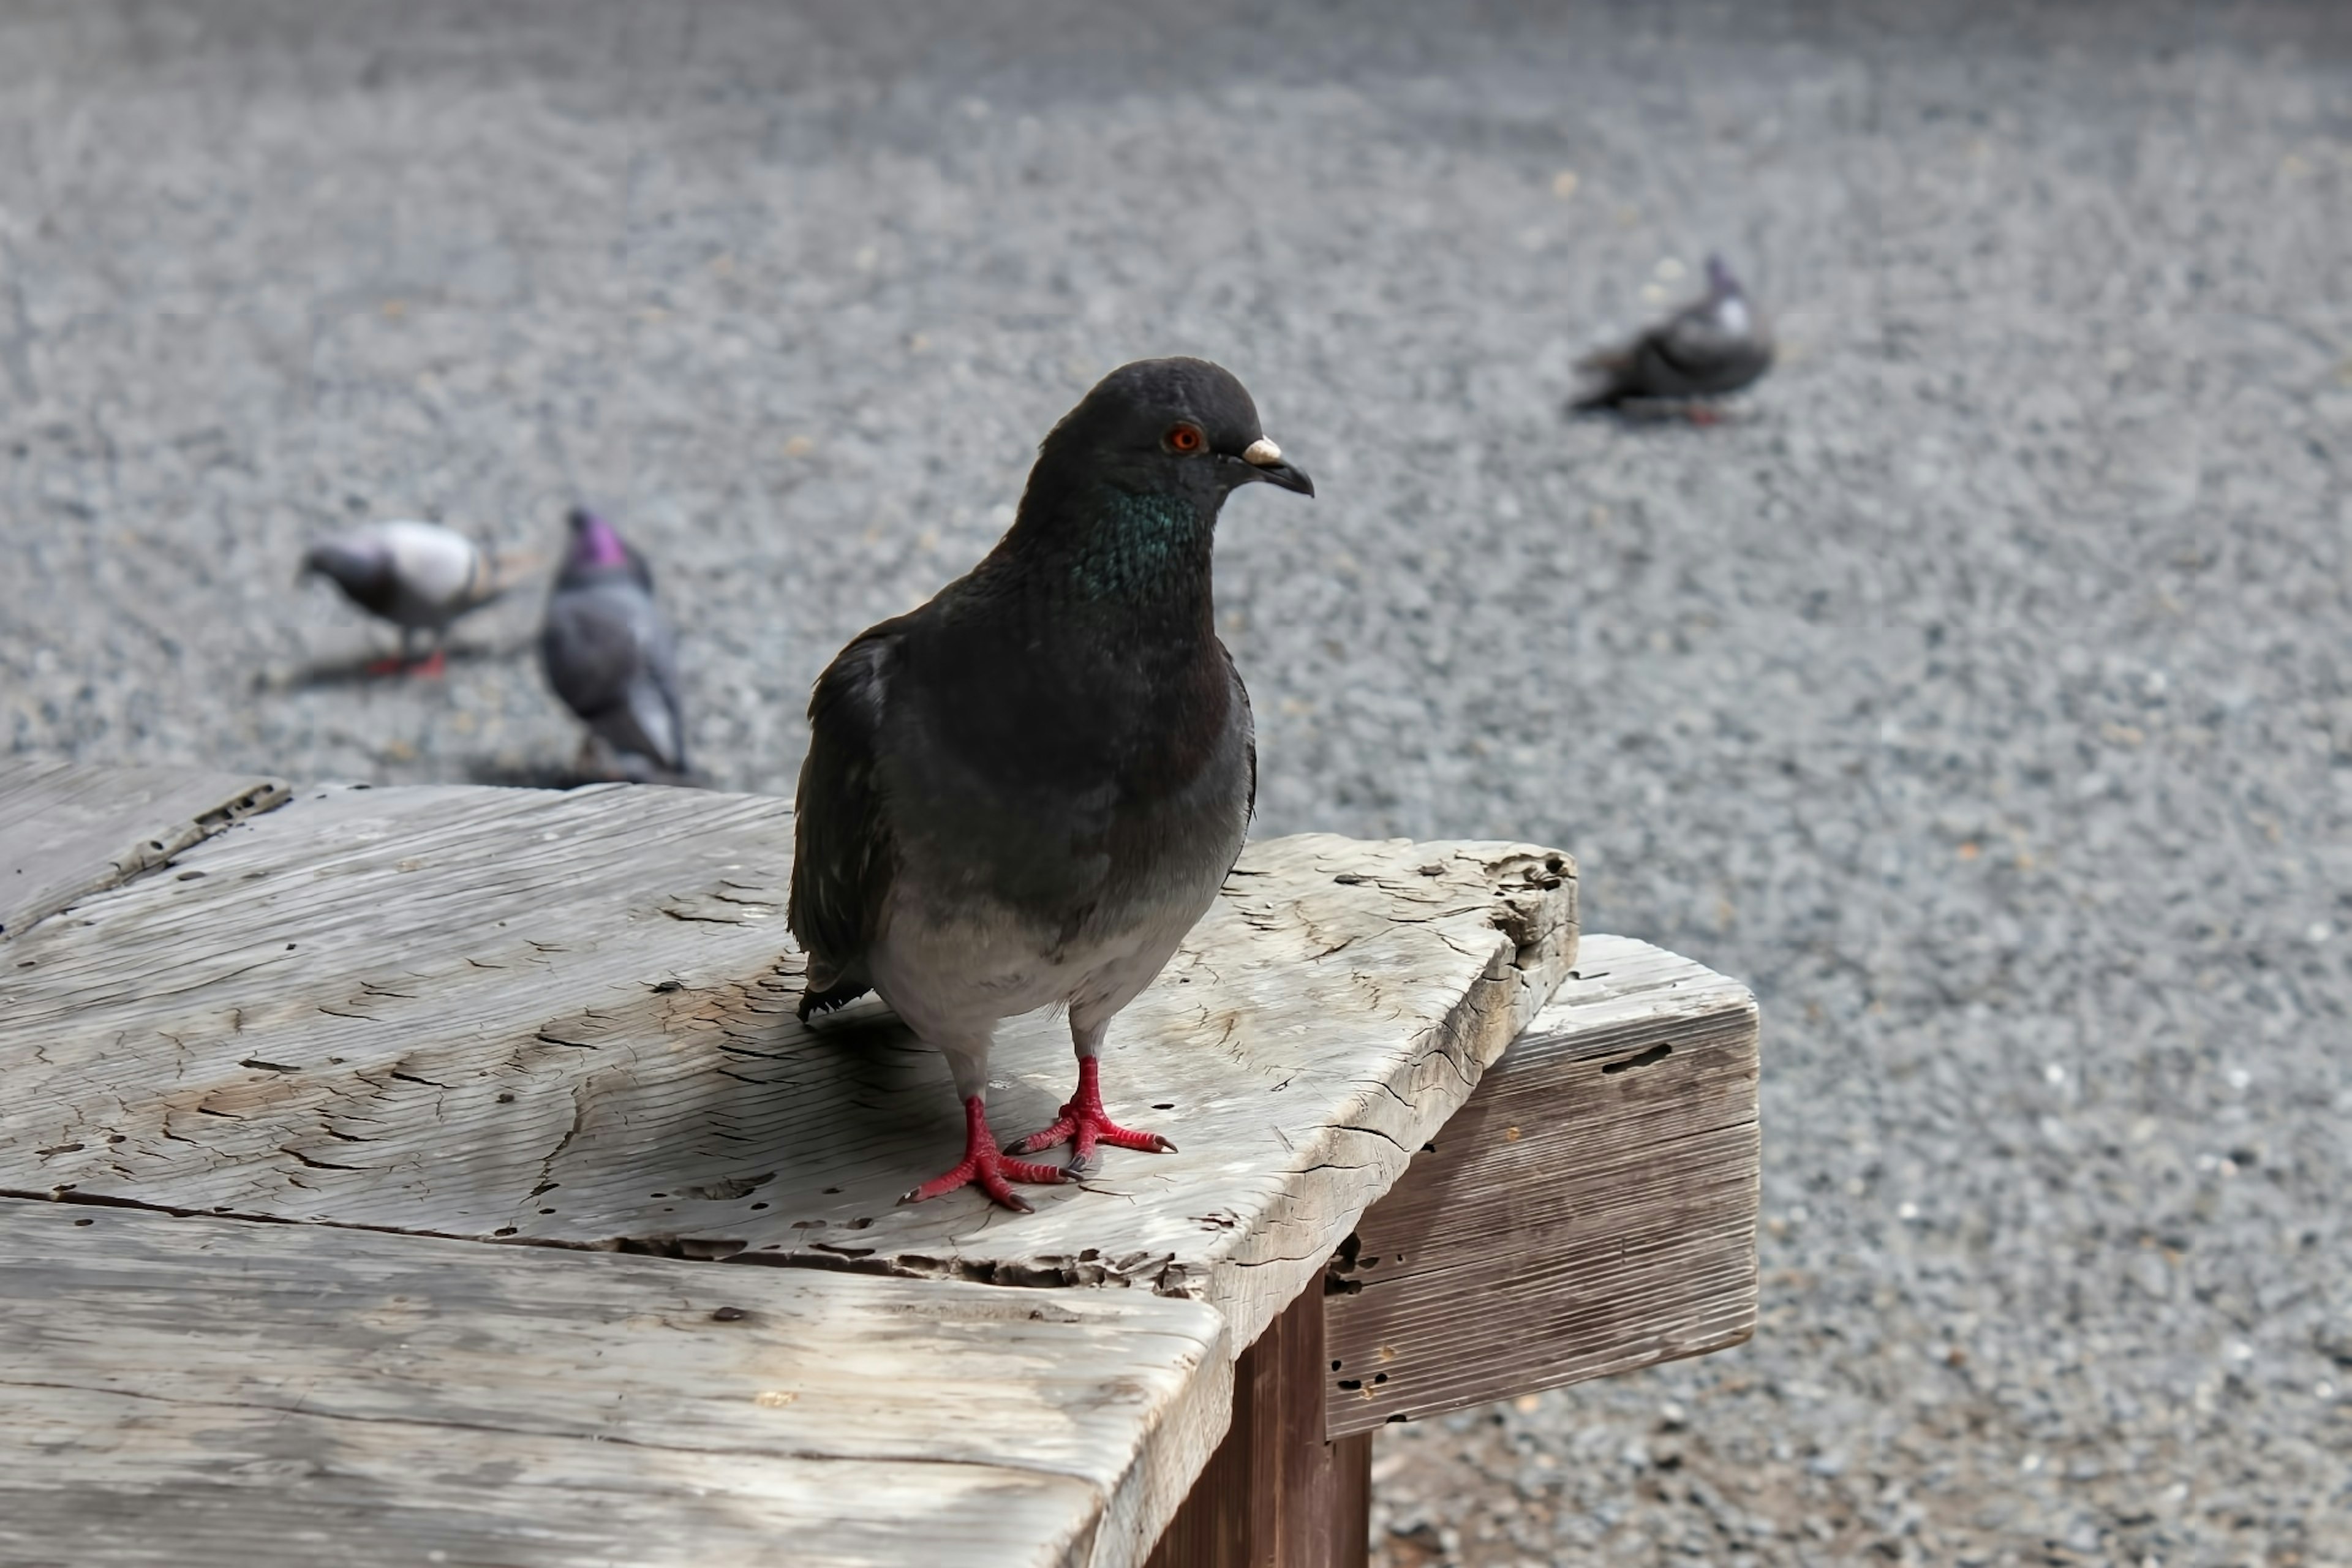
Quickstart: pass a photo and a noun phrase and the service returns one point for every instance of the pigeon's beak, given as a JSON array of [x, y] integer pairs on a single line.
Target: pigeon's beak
[[1265, 459]]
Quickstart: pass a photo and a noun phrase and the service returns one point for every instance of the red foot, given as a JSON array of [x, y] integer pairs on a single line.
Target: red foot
[[983, 1167], [1084, 1122], [1702, 415], [436, 665]]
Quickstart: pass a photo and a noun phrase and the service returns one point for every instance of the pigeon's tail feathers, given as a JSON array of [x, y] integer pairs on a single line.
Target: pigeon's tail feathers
[[838, 992], [653, 720], [1610, 361], [1606, 373], [844, 858]]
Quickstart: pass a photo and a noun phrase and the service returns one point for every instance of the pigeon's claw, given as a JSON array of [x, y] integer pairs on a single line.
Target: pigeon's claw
[[1084, 1123], [984, 1166]]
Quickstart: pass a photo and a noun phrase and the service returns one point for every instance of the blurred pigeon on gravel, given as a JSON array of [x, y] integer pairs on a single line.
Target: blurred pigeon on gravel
[[420, 576], [608, 651], [1024, 793], [1714, 346]]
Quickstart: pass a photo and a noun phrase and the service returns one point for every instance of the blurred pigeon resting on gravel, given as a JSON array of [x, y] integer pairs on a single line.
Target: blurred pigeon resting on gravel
[[1714, 345], [606, 649], [1024, 793], [420, 576]]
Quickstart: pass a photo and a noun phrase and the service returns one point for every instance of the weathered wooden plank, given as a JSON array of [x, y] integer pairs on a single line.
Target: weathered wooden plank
[[68, 830], [1592, 1209], [203, 1391], [1276, 1494], [562, 1017]]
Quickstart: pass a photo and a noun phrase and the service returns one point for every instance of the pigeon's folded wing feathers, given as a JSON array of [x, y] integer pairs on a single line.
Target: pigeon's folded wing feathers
[[653, 698], [842, 856], [611, 660]]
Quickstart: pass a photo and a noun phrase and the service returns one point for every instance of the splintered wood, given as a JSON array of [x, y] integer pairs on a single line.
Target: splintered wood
[[217, 1393], [568, 1018], [67, 831], [1590, 1210]]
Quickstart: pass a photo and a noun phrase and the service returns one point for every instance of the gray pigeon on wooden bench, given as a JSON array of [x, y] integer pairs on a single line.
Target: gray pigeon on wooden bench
[[420, 576], [1711, 347], [608, 651], [1024, 793]]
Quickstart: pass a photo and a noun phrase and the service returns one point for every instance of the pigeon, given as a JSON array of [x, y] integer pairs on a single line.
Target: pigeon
[[420, 576], [1714, 346], [1024, 793], [608, 651]]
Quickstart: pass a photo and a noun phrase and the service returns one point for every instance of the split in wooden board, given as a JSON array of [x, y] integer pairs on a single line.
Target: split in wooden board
[[199, 1391], [569, 1018], [67, 831]]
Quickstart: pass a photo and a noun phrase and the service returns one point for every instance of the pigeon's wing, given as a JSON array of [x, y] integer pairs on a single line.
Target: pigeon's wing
[[647, 723], [594, 645], [655, 699], [1249, 730], [1701, 352], [842, 857], [439, 572]]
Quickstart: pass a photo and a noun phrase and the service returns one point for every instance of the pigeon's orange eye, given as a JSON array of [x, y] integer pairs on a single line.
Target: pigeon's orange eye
[[1186, 439]]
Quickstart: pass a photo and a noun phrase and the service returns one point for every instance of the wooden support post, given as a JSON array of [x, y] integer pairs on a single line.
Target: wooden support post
[[1275, 1494]]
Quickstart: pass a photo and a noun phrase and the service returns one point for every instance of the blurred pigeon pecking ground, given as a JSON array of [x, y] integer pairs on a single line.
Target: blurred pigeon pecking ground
[[420, 576]]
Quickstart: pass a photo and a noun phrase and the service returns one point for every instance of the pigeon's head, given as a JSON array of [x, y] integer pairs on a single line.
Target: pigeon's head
[[360, 564], [1726, 301], [1168, 426], [594, 542]]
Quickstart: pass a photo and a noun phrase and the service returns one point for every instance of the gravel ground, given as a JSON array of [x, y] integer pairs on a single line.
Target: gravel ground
[[1982, 693]]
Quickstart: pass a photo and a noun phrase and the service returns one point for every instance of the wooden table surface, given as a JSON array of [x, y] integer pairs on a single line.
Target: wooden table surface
[[200, 1391], [475, 1015]]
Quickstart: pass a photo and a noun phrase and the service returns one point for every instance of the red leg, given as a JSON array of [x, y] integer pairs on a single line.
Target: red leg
[[1084, 1122], [1704, 415], [984, 1166], [437, 664]]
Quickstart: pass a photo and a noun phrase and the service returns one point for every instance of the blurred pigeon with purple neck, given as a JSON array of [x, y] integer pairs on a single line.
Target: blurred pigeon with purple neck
[[1714, 346], [420, 576], [1024, 793], [608, 651]]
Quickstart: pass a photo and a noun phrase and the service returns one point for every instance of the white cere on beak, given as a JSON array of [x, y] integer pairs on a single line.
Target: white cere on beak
[[1262, 453]]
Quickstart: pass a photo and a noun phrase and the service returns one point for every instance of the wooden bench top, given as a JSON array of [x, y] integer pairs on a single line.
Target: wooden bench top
[[569, 1018], [411, 1021], [211, 1392]]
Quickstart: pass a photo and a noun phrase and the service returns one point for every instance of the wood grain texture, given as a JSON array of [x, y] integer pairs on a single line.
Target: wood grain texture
[[1275, 1494], [1590, 1210], [68, 830], [564, 1018], [205, 1391]]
